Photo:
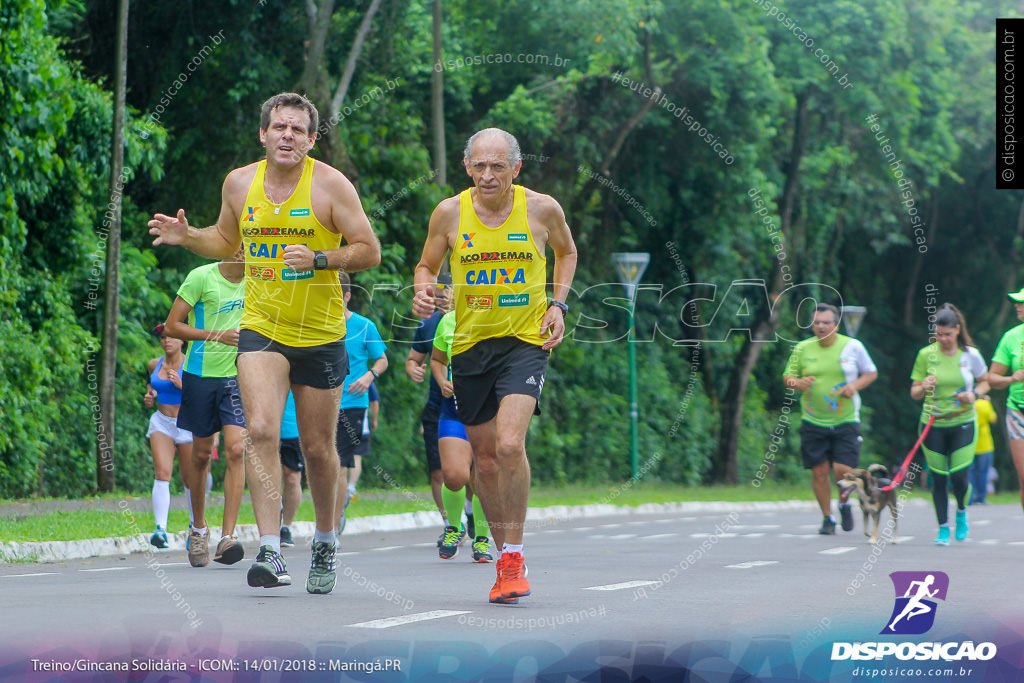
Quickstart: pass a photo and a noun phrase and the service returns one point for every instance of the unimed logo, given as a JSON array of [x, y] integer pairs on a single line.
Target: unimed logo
[[916, 595]]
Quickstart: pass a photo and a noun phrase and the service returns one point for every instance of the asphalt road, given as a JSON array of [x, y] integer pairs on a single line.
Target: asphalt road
[[606, 592]]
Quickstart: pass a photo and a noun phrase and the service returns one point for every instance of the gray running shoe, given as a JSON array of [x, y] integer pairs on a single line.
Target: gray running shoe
[[268, 571], [198, 548], [322, 574], [229, 551]]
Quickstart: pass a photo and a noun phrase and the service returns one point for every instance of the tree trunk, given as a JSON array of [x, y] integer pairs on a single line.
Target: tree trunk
[[437, 98], [726, 465], [111, 309]]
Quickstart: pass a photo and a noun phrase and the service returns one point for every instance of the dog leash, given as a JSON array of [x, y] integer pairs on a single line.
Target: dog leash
[[898, 479]]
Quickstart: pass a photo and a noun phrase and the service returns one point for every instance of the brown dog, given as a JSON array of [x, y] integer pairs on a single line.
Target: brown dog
[[868, 485]]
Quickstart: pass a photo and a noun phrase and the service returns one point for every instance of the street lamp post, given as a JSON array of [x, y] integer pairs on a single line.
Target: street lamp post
[[630, 267], [853, 316]]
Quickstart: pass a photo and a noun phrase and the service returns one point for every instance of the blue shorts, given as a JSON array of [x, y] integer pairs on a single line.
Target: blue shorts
[[208, 404], [451, 428]]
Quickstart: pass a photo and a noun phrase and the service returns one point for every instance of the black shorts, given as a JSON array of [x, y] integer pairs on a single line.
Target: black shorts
[[208, 404], [492, 369], [430, 444], [321, 367], [839, 444], [349, 434], [291, 454], [363, 447]]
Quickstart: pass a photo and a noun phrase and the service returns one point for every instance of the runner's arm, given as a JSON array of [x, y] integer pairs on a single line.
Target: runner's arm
[[443, 222], [179, 329]]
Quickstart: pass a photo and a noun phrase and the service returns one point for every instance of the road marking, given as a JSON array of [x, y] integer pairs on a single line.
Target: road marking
[[428, 544], [751, 564], [989, 541], [582, 528], [837, 551], [105, 569], [409, 618], [755, 526], [1015, 543], [754, 535], [647, 538], [798, 535], [12, 576], [351, 552], [609, 526], [389, 547], [554, 531], [723, 535], [621, 586], [980, 522], [170, 564]]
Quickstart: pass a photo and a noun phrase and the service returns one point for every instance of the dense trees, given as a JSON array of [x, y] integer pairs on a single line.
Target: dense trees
[[731, 139]]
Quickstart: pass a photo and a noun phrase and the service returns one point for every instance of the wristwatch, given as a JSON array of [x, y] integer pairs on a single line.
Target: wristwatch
[[375, 374], [561, 305], [319, 260]]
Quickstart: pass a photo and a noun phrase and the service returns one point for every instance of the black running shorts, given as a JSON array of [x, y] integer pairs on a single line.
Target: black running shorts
[[291, 454], [839, 444], [321, 367], [349, 434], [492, 369]]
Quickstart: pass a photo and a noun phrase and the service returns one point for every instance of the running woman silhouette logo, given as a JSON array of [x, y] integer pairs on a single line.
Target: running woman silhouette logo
[[916, 593]]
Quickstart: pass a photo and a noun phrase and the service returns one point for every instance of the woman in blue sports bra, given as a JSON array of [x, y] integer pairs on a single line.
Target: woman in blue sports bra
[[164, 390]]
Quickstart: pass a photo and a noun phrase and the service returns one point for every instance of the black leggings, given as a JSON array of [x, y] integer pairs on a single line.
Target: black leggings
[[940, 484]]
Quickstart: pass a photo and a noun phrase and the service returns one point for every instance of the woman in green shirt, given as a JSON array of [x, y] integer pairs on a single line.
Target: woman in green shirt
[[949, 374]]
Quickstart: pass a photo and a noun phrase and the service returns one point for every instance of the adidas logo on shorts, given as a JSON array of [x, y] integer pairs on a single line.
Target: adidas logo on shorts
[[531, 381]]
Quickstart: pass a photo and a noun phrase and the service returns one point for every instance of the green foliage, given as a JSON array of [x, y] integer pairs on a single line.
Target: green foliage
[[722, 66]]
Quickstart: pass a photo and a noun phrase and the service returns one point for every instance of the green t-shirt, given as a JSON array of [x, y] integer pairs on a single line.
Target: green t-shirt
[[1010, 353], [444, 337], [216, 305], [832, 368], [954, 374]]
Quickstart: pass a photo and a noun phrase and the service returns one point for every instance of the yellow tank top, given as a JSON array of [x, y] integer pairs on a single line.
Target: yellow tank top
[[294, 308], [499, 277]]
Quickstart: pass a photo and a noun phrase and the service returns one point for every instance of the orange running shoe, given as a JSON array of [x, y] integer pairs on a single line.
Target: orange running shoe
[[513, 577], [495, 595]]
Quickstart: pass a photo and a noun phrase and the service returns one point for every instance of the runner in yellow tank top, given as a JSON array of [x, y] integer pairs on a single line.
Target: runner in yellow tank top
[[499, 277], [288, 338], [293, 307], [497, 234]]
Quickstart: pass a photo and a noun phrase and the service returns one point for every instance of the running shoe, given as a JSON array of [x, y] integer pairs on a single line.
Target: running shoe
[[481, 548], [513, 577], [470, 525], [268, 571], [846, 514], [198, 548], [341, 523], [159, 538], [229, 550], [449, 548], [462, 533], [828, 527], [943, 537], [961, 525], [495, 595], [322, 574], [440, 539], [286, 538]]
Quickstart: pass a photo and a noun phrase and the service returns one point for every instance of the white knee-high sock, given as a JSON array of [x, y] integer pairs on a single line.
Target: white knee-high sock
[[161, 501]]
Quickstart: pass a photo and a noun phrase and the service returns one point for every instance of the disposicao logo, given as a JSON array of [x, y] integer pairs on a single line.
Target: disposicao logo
[[913, 613]]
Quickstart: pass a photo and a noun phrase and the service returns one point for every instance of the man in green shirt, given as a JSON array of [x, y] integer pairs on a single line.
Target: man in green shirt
[[830, 369], [207, 313]]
